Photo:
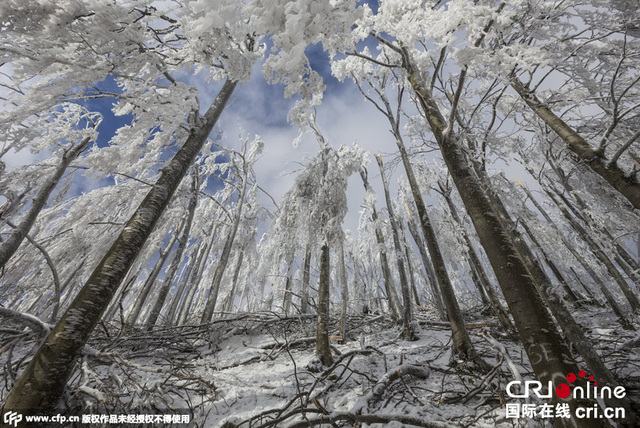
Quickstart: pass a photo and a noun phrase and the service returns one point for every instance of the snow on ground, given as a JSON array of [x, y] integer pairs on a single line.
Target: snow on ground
[[259, 370]]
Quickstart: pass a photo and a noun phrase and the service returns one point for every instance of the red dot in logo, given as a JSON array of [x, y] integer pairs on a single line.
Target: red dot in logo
[[563, 390], [582, 373], [591, 377], [571, 377], [595, 383]]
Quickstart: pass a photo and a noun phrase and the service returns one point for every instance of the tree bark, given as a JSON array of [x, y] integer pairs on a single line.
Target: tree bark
[[431, 275], [43, 381], [344, 295], [407, 330], [234, 281], [17, 235], [286, 298], [392, 295], [145, 290], [476, 264], [306, 273], [323, 350], [177, 258], [547, 352], [226, 253], [626, 185]]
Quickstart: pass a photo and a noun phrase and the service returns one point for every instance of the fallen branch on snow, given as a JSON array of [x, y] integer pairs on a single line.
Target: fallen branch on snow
[[370, 419]]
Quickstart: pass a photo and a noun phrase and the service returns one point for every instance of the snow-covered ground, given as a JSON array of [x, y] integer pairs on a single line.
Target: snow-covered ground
[[260, 370]]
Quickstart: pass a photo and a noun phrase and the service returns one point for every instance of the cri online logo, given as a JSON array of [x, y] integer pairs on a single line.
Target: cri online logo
[[563, 390]]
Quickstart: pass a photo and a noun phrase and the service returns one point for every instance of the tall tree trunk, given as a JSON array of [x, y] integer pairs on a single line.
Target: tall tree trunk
[[286, 298], [182, 307], [178, 309], [431, 275], [177, 258], [43, 381], [234, 282], [407, 330], [412, 279], [600, 255], [543, 344], [626, 185], [570, 294], [462, 345], [392, 295], [210, 306], [17, 235], [306, 274], [476, 264], [344, 294], [145, 290], [323, 350]]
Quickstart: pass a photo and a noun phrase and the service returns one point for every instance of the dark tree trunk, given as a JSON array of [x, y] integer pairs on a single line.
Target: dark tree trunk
[[344, 295], [234, 282], [547, 352], [306, 274], [407, 330], [17, 235], [226, 253], [43, 381], [620, 181], [431, 275], [476, 264], [323, 350], [390, 289], [177, 258], [146, 288]]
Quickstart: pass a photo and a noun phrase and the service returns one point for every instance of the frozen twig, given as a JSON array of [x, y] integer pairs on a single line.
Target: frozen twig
[[34, 323]]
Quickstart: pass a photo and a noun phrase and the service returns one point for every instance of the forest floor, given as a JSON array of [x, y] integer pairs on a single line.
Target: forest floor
[[259, 370]]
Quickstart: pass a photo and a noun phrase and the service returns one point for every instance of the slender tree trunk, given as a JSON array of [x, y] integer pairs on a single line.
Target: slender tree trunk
[[476, 264], [571, 296], [17, 235], [226, 253], [586, 289], [177, 258], [234, 282], [183, 307], [344, 294], [323, 350], [407, 316], [543, 344], [192, 264], [431, 275], [462, 345], [286, 298], [601, 256], [43, 381], [306, 274], [392, 295], [620, 181], [412, 279], [145, 290], [178, 309]]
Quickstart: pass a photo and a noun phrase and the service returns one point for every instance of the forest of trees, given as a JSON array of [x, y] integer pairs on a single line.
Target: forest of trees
[[507, 198]]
